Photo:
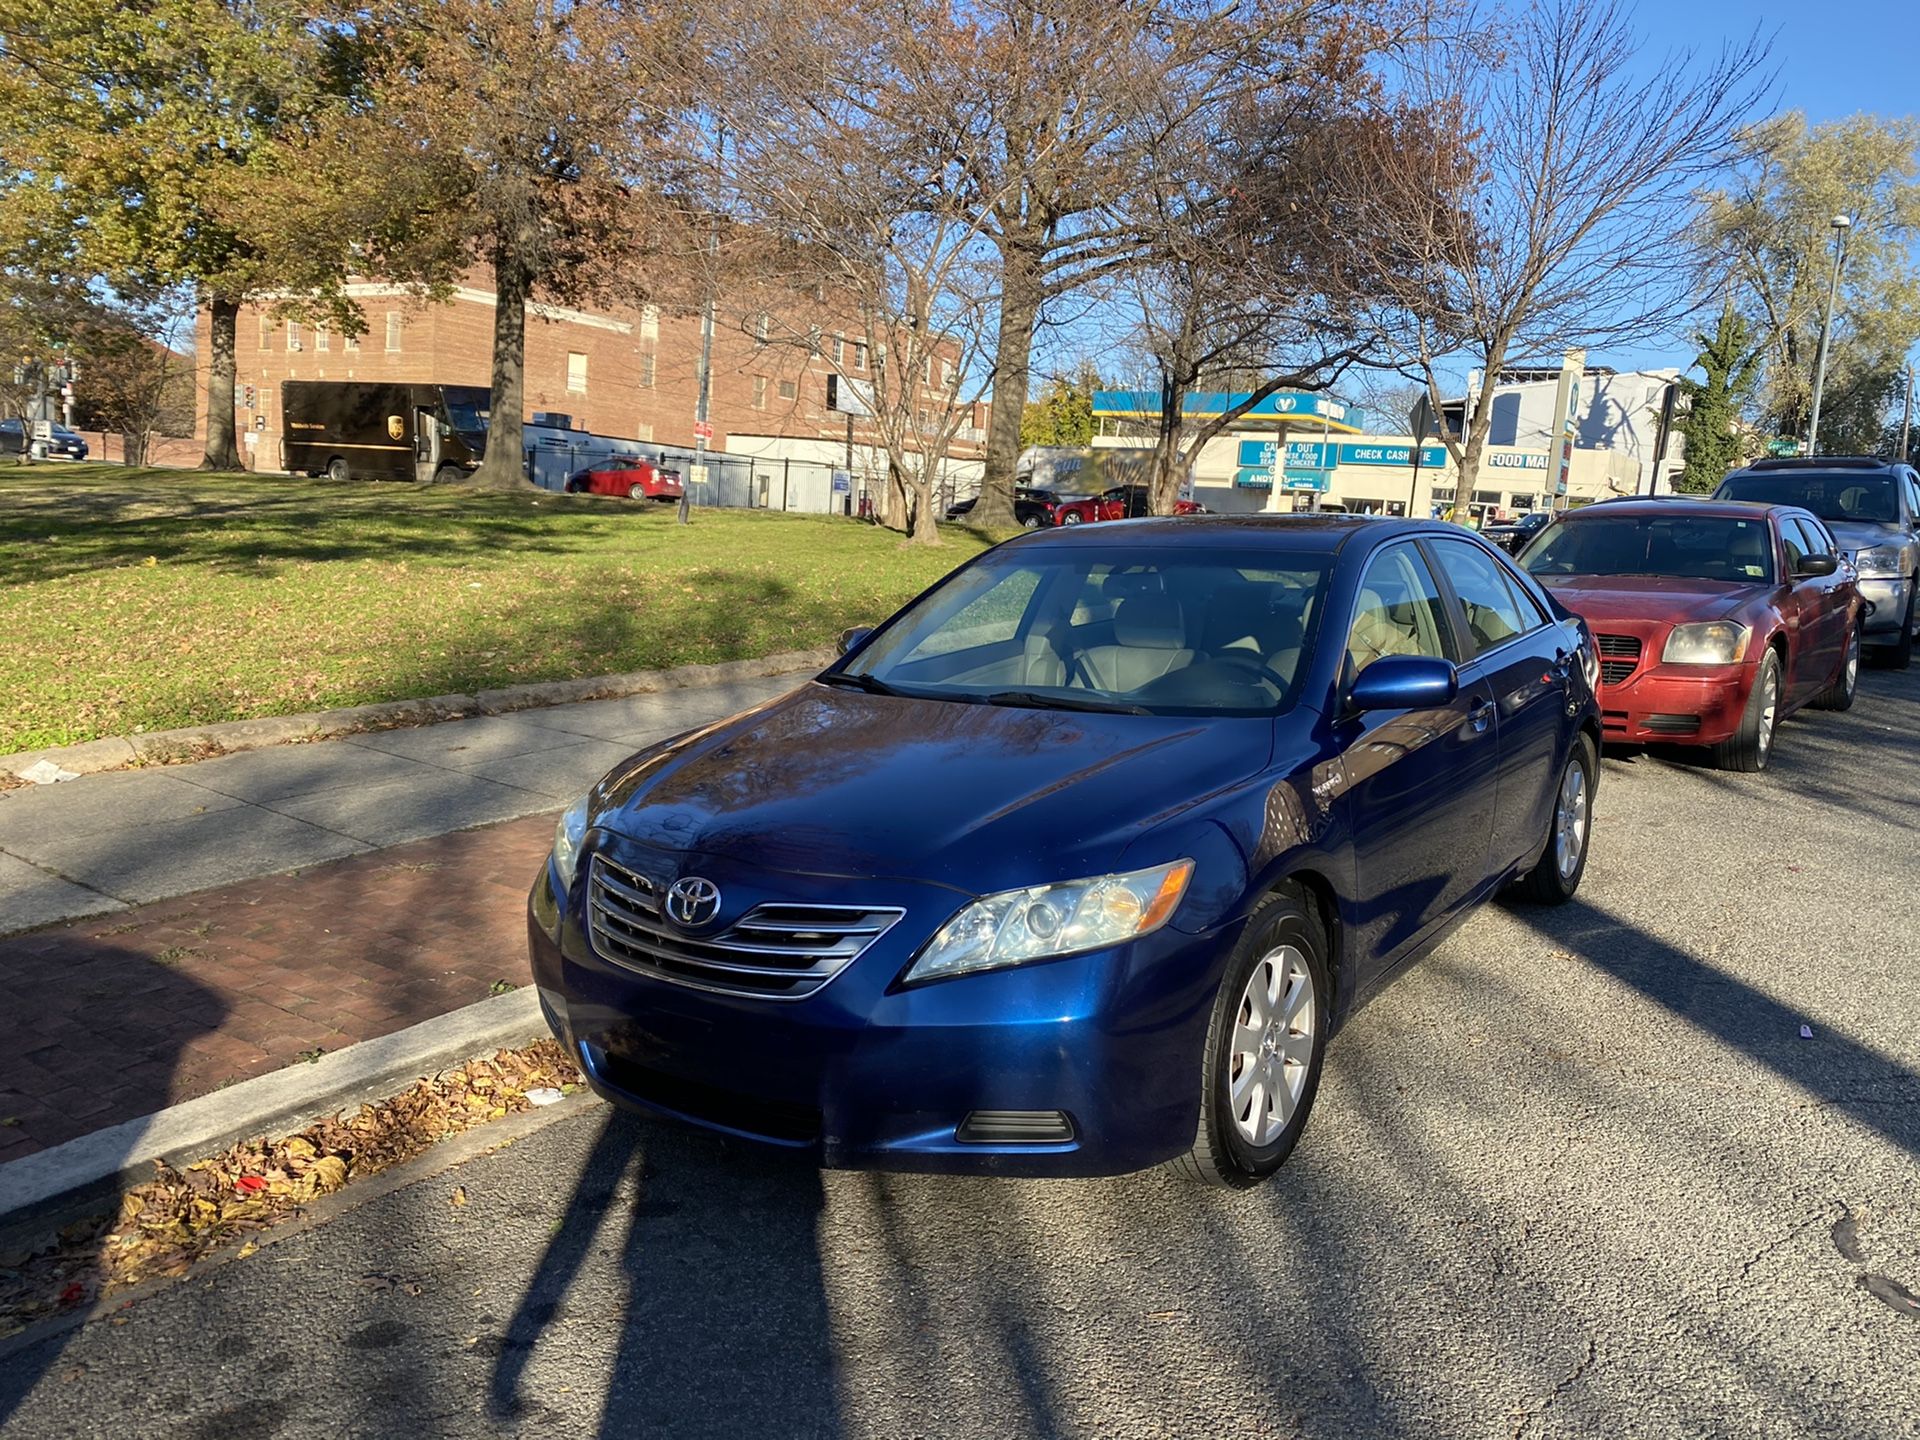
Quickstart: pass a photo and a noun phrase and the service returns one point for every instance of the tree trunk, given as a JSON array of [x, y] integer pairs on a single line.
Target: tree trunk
[[504, 466], [1477, 431], [222, 450], [1020, 290]]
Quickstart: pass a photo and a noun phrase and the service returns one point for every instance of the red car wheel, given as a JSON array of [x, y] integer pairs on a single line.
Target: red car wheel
[[636, 491]]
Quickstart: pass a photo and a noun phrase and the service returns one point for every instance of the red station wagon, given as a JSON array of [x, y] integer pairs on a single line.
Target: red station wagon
[[1715, 619], [1122, 502], [626, 475]]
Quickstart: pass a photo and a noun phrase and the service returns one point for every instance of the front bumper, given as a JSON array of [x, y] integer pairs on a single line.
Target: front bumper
[[1889, 599], [869, 1075], [1676, 704]]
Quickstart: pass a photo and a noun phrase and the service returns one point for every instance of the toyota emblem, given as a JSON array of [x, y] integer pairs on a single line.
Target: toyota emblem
[[693, 901]]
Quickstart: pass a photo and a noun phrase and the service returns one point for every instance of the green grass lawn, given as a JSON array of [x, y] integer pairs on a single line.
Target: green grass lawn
[[138, 600]]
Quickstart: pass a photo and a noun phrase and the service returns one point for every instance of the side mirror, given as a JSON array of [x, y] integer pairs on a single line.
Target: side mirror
[[850, 639], [1404, 682], [1817, 565]]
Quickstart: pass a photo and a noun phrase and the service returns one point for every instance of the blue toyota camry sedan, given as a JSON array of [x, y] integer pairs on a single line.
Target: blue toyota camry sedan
[[1073, 865]]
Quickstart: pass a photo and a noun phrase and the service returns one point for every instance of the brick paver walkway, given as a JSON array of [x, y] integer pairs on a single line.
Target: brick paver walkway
[[108, 1019]]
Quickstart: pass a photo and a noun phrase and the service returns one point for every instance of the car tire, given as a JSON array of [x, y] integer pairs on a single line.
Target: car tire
[[1900, 655], [1283, 950], [1032, 522], [1072, 517], [1839, 695], [1563, 858], [1750, 747], [339, 470], [449, 475], [636, 491]]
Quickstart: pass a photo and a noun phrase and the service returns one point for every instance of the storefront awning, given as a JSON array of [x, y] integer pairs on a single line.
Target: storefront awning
[[1283, 410]]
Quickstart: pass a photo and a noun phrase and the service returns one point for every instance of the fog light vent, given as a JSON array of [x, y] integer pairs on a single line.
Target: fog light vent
[[1673, 724], [1015, 1127]]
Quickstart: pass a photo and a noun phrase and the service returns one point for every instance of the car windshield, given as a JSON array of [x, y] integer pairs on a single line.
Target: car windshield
[[1180, 633], [1681, 547], [1831, 494], [468, 408]]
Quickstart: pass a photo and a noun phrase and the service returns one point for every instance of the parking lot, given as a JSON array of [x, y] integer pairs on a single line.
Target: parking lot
[[1578, 1172]]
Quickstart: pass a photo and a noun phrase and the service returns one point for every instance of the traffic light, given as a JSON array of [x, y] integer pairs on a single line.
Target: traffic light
[[246, 392]]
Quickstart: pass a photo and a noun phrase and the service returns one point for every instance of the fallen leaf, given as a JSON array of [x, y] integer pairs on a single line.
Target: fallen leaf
[[459, 1196], [329, 1172]]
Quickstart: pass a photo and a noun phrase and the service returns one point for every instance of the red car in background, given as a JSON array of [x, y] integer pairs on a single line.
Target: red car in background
[[1714, 619], [1122, 502], [626, 475]]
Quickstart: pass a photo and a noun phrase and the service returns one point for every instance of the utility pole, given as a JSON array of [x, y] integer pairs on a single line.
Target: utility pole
[[1841, 224], [702, 430], [1906, 417]]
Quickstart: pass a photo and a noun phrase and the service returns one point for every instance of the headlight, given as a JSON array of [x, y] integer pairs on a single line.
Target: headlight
[[567, 836], [1880, 561], [1039, 923], [1718, 642]]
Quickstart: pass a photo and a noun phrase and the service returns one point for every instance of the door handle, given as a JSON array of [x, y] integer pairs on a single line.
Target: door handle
[[1479, 714]]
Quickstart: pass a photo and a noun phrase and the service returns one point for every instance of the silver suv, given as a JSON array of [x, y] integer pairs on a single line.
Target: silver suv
[[1872, 506]]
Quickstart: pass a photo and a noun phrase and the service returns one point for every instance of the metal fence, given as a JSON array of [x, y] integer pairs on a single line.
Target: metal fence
[[742, 482]]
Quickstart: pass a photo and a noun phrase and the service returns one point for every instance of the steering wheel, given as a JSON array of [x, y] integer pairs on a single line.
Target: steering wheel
[[1254, 666]]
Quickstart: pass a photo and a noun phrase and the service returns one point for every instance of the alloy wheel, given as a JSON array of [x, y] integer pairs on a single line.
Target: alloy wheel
[[1570, 820], [1852, 676], [1769, 707], [1272, 1049]]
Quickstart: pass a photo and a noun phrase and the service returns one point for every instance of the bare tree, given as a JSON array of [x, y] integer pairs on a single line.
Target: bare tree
[[1550, 205]]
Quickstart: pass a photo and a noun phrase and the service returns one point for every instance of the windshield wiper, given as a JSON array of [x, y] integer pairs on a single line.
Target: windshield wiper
[[868, 683], [1039, 700]]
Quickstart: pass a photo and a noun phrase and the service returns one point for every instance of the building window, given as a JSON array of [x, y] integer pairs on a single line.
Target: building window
[[576, 372], [839, 350], [762, 327], [789, 390], [946, 375], [395, 324], [293, 335], [813, 339], [649, 322], [322, 340], [643, 431], [859, 354], [646, 369], [266, 331], [1522, 502], [350, 342], [759, 392]]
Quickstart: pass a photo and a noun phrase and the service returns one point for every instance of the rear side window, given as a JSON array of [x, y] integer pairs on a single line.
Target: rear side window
[[1493, 610]]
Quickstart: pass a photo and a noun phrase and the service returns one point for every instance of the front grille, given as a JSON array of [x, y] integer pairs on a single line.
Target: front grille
[[774, 951], [1619, 655]]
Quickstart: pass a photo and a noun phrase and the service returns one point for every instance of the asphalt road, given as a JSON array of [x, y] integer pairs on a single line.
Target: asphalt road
[[1578, 1173]]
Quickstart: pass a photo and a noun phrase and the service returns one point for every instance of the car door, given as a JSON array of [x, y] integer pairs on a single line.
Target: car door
[[1511, 647], [1800, 604], [1824, 603], [1418, 785]]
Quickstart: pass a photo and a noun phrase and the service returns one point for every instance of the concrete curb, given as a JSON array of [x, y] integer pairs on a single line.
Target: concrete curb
[[89, 1173], [199, 742]]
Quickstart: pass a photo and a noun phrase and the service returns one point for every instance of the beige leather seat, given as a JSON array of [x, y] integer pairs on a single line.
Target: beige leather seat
[[1378, 631], [1150, 640]]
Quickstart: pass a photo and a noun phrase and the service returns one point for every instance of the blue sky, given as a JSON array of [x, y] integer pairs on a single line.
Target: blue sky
[[1835, 58]]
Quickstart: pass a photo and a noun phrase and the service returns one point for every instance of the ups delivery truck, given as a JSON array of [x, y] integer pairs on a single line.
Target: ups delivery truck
[[368, 430]]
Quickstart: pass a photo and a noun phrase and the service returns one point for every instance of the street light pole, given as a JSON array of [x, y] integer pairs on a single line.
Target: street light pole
[[1906, 417], [1841, 224]]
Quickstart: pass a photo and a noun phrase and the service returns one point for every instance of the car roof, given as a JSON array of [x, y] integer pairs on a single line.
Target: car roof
[[1681, 505], [1775, 464], [1322, 532]]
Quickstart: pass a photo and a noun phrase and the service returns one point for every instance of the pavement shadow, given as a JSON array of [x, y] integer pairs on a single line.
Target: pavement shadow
[[77, 1010], [725, 1331], [1869, 1087]]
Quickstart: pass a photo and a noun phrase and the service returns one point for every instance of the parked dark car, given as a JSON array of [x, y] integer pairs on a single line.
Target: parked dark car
[[1513, 536], [626, 475], [1121, 502], [17, 435], [1872, 507], [1034, 509], [1715, 619], [1103, 810]]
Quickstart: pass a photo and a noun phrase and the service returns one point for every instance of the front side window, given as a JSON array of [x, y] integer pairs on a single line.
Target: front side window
[[1397, 611], [1222, 633], [1795, 540], [1680, 547], [1493, 613]]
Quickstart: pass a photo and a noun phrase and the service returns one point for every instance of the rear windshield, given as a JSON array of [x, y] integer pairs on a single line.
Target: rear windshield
[[1830, 494], [1680, 547]]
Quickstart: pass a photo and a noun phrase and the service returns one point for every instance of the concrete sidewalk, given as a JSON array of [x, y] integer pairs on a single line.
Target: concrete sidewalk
[[104, 842]]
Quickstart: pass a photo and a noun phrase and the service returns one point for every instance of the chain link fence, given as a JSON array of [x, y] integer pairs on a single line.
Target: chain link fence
[[741, 482]]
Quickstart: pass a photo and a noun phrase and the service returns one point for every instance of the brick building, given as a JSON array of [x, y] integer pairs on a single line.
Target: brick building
[[630, 373]]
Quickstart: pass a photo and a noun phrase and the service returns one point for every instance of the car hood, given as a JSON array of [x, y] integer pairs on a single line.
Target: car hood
[[1598, 598], [981, 797], [1857, 535]]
